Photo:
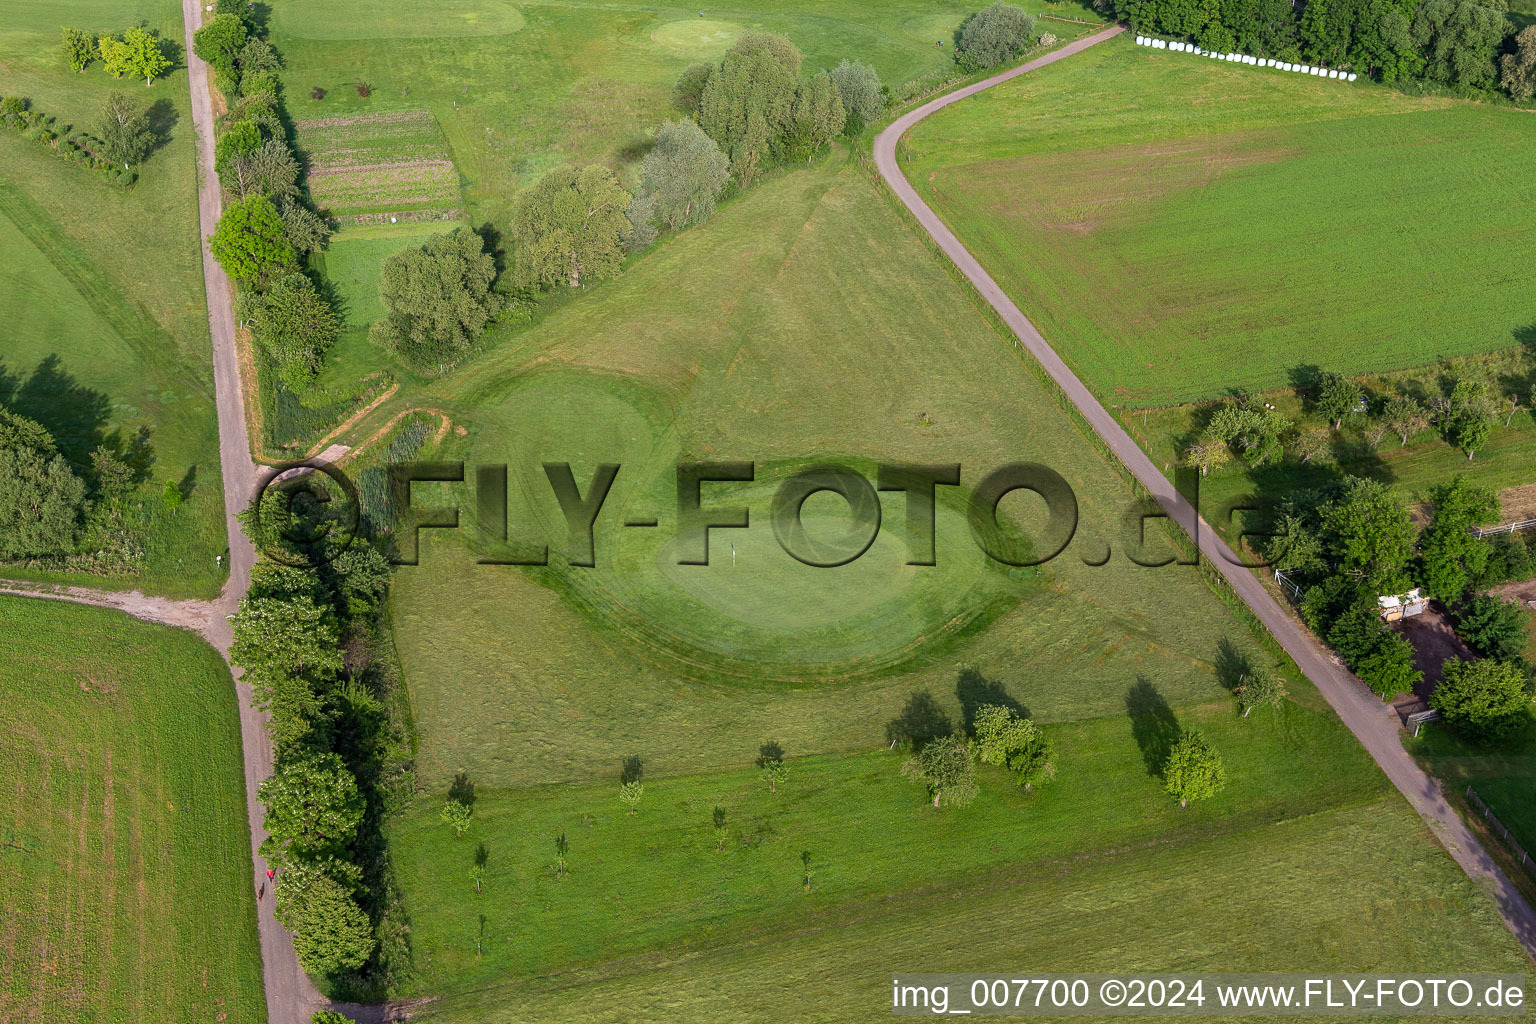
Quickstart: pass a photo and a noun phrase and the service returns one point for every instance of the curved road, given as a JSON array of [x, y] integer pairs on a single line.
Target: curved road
[[1367, 717]]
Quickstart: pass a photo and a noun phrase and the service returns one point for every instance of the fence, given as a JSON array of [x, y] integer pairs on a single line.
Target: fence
[[1291, 588], [1483, 531], [1514, 848]]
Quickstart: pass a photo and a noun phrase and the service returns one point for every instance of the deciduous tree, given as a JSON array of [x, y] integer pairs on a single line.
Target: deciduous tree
[[1337, 397], [1517, 71], [251, 243], [1484, 700], [1452, 557], [219, 42], [684, 173], [816, 118], [947, 767], [76, 47], [993, 35], [569, 227], [1193, 770], [313, 809], [1497, 629], [295, 326], [862, 94], [143, 54], [125, 131], [439, 298], [330, 931]]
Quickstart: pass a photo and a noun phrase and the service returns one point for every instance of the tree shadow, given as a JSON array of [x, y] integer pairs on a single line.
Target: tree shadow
[[770, 753], [481, 855], [188, 482], [1152, 724], [975, 691], [921, 720], [631, 769], [462, 790], [635, 150], [1231, 664], [1303, 379], [75, 415], [162, 120]]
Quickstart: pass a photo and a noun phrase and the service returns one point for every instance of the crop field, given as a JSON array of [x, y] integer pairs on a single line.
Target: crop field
[[125, 889], [1177, 227], [95, 347], [379, 168]]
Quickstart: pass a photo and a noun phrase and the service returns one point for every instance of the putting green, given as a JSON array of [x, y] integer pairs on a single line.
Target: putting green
[[697, 35], [401, 19], [754, 612]]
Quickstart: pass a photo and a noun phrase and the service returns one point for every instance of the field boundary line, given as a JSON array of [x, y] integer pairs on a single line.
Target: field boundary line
[[1368, 718]]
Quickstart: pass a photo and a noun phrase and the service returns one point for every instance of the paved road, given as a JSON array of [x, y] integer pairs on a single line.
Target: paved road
[[1371, 721], [291, 997]]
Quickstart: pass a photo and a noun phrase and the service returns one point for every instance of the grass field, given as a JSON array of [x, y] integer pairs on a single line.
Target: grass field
[[1177, 227], [803, 323], [102, 338], [125, 873], [1359, 888]]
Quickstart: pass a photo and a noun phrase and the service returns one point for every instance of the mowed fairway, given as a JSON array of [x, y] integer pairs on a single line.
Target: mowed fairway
[[101, 292], [802, 324], [1177, 226], [125, 873]]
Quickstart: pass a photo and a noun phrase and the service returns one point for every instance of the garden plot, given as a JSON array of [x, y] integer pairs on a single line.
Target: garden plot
[[380, 168]]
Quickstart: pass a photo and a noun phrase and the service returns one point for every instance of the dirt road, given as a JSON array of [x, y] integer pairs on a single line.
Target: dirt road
[[1371, 721]]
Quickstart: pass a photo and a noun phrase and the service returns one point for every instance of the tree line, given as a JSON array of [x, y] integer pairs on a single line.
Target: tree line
[[267, 228], [1468, 45]]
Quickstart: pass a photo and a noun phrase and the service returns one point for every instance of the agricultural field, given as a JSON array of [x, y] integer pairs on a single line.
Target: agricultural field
[[125, 873], [379, 168], [1177, 227], [96, 348]]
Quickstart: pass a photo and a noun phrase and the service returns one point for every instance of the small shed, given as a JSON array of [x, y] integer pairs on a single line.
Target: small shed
[[1396, 607]]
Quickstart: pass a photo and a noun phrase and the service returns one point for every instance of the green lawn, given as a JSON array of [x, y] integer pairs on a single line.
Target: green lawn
[[125, 872], [1178, 226], [804, 322], [101, 291], [1359, 888]]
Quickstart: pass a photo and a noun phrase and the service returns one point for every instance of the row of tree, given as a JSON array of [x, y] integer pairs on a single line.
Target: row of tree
[[290, 631], [1243, 428], [1462, 43], [267, 229], [137, 53]]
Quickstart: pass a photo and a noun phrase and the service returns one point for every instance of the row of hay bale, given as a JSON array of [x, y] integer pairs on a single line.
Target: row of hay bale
[[1243, 58]]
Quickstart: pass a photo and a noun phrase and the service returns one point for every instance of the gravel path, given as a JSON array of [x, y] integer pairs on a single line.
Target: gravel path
[[1367, 717]]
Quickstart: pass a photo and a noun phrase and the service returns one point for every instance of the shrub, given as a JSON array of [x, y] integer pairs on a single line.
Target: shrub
[[992, 36], [364, 89]]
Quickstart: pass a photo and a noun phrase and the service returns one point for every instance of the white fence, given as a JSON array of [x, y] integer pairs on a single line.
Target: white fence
[[1515, 848], [1291, 588], [1243, 58], [1487, 531]]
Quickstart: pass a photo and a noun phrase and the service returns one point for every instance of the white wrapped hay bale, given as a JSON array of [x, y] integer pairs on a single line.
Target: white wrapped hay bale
[[1333, 74], [1351, 76]]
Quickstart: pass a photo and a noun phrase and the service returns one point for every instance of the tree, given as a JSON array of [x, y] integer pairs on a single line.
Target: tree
[[329, 1017], [858, 85], [562, 847], [330, 931], [772, 43], [1517, 71], [114, 55], [718, 817], [1309, 445], [816, 117], [455, 815], [236, 139], [1007, 739], [125, 133], [1254, 432], [42, 501], [631, 792], [284, 635], [746, 108], [1208, 455], [1259, 689], [1458, 39], [306, 230], [1497, 629], [439, 298], [219, 42], [947, 768], [570, 225], [641, 215], [269, 170], [143, 54], [76, 47], [1368, 530], [1470, 412], [114, 478], [1485, 700], [313, 809], [1451, 556], [1404, 416], [993, 35], [1337, 397], [689, 89], [770, 763], [295, 326], [171, 496], [1388, 668], [258, 57], [684, 173], [251, 244], [1193, 770]]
